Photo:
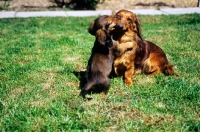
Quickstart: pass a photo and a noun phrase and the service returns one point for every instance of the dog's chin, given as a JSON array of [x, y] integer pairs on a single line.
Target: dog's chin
[[109, 45]]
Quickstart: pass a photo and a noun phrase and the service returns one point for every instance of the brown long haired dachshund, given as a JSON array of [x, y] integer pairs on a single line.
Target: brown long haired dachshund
[[144, 56], [126, 33], [101, 60]]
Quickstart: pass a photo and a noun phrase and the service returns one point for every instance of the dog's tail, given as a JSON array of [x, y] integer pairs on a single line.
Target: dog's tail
[[169, 70]]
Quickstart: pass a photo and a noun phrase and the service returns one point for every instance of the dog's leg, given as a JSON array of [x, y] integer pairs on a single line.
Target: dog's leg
[[169, 70], [106, 85], [128, 75], [151, 67], [158, 64], [86, 88], [153, 71]]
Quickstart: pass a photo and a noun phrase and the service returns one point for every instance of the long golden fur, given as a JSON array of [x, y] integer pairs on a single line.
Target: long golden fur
[[151, 59], [126, 34], [140, 56]]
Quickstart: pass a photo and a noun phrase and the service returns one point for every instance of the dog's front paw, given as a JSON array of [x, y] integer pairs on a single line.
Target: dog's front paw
[[83, 93], [128, 82]]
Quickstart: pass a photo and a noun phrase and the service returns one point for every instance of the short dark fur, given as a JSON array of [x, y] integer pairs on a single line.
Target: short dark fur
[[105, 22], [101, 60], [99, 65]]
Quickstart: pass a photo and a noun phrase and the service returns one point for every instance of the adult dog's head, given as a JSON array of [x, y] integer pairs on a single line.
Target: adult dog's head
[[128, 22]]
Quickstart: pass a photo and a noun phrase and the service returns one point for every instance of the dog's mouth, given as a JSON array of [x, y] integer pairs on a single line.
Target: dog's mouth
[[120, 27]]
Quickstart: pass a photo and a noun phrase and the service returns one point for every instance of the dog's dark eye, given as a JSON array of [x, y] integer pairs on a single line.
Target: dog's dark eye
[[129, 20]]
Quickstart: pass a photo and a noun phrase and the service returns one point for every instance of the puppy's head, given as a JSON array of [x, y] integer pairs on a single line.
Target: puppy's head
[[103, 38], [104, 22], [128, 21]]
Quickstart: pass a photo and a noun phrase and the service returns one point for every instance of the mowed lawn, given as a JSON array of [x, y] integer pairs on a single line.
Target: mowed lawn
[[41, 61]]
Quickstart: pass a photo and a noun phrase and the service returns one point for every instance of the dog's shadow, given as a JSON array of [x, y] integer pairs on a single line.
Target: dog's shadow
[[81, 76]]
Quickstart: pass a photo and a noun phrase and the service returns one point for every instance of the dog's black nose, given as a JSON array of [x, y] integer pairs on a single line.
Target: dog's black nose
[[120, 26]]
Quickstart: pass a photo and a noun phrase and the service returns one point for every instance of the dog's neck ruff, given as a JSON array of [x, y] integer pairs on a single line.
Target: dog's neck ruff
[[128, 37]]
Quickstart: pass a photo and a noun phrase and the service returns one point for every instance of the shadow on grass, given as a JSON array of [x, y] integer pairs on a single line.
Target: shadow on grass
[[81, 76]]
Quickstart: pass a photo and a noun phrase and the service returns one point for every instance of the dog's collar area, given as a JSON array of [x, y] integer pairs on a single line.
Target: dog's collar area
[[126, 34]]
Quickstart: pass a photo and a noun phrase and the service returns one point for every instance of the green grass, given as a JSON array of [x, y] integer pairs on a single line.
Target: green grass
[[39, 90]]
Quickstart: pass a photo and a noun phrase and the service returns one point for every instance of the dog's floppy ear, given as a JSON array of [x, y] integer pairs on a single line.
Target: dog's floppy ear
[[138, 26], [101, 36], [91, 29]]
